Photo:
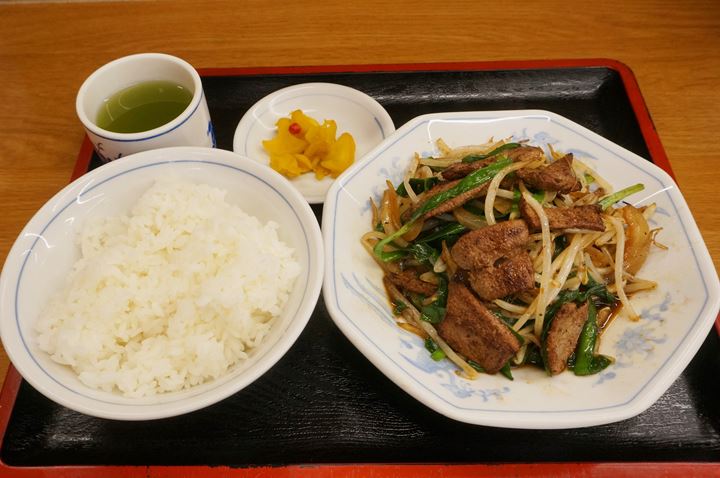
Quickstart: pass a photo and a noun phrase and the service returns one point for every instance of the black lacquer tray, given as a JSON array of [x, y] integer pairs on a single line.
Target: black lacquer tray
[[324, 403]]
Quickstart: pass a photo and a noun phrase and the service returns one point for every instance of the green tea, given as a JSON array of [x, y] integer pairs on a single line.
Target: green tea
[[143, 107]]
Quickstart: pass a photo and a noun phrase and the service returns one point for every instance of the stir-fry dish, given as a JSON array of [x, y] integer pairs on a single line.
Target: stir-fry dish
[[499, 255]]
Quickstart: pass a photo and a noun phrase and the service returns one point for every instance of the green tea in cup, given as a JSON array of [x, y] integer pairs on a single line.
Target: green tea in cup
[[141, 102], [143, 106]]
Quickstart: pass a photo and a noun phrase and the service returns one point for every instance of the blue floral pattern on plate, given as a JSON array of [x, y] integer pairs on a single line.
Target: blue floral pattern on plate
[[646, 351]]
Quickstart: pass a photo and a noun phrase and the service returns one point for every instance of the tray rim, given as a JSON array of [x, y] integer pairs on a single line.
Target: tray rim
[[13, 379]]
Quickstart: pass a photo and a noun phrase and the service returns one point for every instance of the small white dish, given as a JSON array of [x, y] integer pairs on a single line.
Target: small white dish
[[650, 353], [354, 111], [46, 250]]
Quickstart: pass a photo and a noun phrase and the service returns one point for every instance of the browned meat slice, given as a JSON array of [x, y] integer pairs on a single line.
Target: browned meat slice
[[481, 248], [557, 176], [434, 191], [525, 153], [458, 201], [578, 217], [563, 335], [439, 188], [408, 280], [460, 170], [513, 275], [522, 153], [447, 206], [474, 332]]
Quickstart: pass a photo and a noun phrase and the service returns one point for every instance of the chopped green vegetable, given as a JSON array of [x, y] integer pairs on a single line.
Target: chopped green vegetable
[[432, 313], [423, 253], [506, 371], [436, 353], [416, 300], [561, 242], [611, 199], [476, 366], [586, 342], [471, 158], [586, 362], [445, 232], [600, 293], [396, 255], [469, 182], [596, 293], [509, 322], [473, 209], [398, 307], [418, 185], [533, 356], [539, 197]]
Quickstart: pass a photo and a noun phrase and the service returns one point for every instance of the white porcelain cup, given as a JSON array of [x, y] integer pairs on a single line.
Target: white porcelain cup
[[192, 127]]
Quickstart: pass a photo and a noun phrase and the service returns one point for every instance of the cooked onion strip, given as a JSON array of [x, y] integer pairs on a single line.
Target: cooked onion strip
[[450, 264], [619, 250], [368, 241], [468, 219], [375, 212], [390, 214]]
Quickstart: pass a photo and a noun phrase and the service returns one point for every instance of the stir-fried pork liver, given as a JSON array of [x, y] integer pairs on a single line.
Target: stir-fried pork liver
[[481, 248], [449, 205], [512, 275], [522, 153], [557, 176], [563, 335], [474, 332], [578, 217], [408, 280]]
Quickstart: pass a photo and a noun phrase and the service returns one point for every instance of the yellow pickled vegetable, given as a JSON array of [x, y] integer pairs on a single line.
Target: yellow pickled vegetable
[[304, 145]]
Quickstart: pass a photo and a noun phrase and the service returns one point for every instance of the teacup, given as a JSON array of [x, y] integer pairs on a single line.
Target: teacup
[[192, 127]]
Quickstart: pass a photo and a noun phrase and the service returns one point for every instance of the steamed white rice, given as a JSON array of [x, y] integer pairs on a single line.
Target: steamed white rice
[[169, 297]]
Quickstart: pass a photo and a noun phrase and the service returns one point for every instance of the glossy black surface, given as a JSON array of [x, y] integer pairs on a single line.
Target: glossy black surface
[[324, 402]]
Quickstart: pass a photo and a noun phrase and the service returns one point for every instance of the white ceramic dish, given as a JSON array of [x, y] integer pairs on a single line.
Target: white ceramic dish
[[354, 111], [649, 354], [45, 251]]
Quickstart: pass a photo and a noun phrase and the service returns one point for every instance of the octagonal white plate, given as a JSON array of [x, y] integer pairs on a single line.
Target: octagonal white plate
[[353, 111], [649, 354]]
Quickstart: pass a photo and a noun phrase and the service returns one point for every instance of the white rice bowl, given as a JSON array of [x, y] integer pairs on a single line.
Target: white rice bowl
[[170, 296], [197, 336]]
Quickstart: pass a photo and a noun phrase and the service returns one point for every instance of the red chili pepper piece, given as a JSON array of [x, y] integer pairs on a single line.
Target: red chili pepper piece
[[294, 128]]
